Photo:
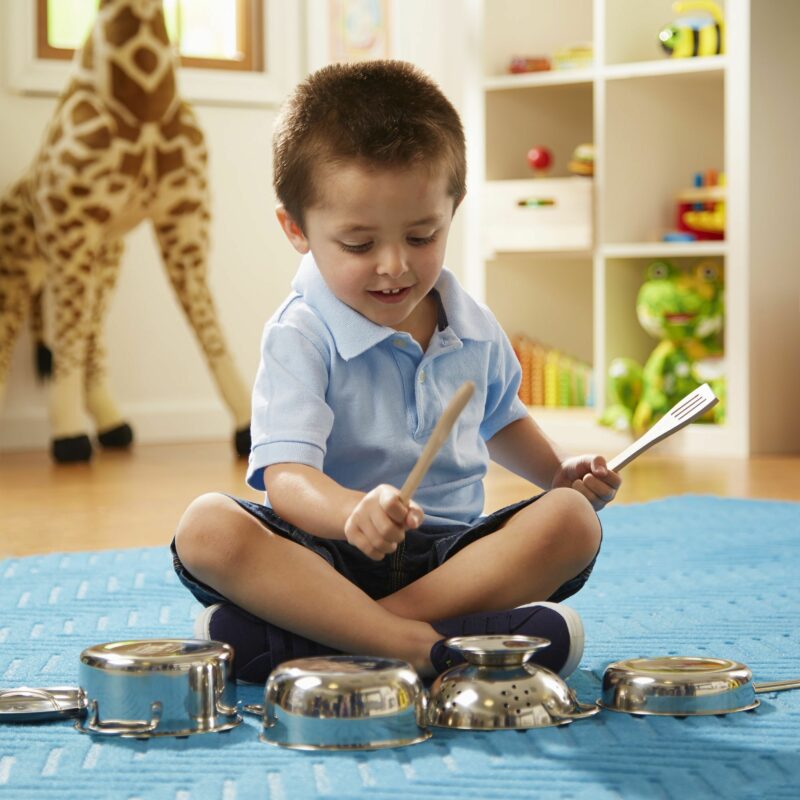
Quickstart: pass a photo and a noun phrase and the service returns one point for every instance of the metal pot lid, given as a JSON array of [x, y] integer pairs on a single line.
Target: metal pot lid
[[154, 654], [28, 704]]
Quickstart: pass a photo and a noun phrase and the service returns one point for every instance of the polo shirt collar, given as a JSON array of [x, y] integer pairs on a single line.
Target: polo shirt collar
[[353, 334]]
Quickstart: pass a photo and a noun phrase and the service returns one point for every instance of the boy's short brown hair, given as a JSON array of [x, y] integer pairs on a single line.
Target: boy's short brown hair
[[384, 113]]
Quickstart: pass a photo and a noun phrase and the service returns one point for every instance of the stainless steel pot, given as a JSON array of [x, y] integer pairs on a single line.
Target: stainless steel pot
[[683, 686], [343, 703], [499, 689], [158, 687]]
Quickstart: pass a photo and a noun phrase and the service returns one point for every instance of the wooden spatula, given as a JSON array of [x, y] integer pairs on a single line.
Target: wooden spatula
[[437, 438], [680, 415]]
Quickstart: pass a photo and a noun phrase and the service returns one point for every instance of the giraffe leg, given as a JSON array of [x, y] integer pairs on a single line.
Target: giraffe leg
[[112, 430], [73, 284], [15, 300], [21, 273], [183, 239]]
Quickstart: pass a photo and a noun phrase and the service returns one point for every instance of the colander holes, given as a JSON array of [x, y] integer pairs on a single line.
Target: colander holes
[[513, 685], [503, 692], [526, 691], [518, 711], [528, 704], [505, 705], [516, 698]]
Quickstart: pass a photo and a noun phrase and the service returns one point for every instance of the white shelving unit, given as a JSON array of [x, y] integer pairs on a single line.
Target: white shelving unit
[[655, 121]]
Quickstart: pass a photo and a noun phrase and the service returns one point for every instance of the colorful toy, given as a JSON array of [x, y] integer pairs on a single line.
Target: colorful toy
[[684, 310], [575, 56], [522, 64], [539, 159], [700, 211], [122, 147], [551, 378], [582, 161], [697, 35]]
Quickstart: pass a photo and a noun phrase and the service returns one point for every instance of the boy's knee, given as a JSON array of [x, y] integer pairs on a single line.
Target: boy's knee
[[202, 537], [579, 521]]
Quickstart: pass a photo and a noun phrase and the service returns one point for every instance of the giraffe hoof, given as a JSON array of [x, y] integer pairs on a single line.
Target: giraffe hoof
[[241, 441], [116, 438], [72, 449]]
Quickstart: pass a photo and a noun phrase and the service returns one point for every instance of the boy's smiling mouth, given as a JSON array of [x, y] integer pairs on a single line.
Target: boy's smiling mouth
[[396, 295]]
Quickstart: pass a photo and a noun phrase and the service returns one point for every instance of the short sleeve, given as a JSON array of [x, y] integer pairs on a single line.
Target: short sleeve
[[291, 421], [503, 405]]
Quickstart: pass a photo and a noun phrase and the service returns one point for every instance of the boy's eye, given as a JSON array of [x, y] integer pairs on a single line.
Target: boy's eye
[[355, 248], [421, 241]]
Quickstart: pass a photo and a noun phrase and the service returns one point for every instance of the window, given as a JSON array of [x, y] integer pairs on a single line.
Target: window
[[210, 34]]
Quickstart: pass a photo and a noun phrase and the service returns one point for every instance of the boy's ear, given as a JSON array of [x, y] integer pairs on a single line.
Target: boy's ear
[[293, 231]]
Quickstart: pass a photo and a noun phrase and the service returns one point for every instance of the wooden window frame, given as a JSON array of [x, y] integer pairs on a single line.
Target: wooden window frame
[[250, 41]]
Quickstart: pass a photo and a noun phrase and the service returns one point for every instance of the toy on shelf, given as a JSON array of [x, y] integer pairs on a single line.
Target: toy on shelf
[[122, 146], [700, 34], [550, 378], [522, 64], [576, 56], [684, 310], [540, 159], [582, 161], [700, 212]]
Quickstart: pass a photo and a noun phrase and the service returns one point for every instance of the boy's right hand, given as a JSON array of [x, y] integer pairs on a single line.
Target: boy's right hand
[[379, 522]]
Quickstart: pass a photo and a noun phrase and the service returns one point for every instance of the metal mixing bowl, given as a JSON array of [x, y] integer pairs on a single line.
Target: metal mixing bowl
[[343, 703], [499, 689]]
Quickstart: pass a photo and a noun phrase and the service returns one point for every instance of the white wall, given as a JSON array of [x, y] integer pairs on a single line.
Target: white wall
[[156, 367]]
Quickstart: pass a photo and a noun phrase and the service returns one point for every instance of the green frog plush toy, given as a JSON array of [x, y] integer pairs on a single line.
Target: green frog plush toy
[[684, 310]]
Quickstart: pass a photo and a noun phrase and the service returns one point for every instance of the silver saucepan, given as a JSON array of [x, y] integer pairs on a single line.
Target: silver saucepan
[[683, 686], [141, 689]]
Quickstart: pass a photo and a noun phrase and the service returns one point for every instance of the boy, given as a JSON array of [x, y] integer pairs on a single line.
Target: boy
[[356, 367]]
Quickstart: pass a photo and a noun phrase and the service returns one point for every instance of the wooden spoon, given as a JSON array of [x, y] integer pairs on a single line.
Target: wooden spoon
[[437, 438]]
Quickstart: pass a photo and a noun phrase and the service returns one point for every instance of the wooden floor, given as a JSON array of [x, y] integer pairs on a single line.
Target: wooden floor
[[135, 499]]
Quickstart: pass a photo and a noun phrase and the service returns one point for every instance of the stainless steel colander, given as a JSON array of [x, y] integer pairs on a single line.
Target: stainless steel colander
[[499, 689]]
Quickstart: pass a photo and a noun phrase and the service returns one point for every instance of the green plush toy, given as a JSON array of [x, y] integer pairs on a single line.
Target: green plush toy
[[684, 310]]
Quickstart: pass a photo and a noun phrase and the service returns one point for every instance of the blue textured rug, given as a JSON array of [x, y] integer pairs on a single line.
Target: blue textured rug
[[689, 575]]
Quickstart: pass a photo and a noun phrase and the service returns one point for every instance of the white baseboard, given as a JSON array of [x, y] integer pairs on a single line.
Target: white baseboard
[[152, 423]]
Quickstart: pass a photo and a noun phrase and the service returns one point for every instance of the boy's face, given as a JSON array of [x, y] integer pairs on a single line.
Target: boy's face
[[378, 237]]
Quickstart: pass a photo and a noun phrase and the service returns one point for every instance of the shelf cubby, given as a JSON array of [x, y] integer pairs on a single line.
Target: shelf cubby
[[658, 132], [528, 294], [632, 28], [557, 117]]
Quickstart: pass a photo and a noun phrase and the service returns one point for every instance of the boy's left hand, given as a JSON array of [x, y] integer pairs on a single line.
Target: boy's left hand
[[590, 476]]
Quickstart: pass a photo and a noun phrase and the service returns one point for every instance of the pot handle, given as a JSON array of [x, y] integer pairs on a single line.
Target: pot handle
[[118, 727], [776, 686], [207, 682], [583, 711]]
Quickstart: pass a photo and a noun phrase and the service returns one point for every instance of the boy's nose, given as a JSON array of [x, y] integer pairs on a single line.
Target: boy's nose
[[392, 262]]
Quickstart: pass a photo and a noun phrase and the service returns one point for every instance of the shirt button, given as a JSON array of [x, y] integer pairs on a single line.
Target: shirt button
[[422, 376]]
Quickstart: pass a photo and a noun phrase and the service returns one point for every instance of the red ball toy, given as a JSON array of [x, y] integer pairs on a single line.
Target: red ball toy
[[539, 158]]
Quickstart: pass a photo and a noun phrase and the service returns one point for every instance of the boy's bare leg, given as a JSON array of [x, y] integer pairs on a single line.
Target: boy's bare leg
[[539, 548], [292, 587]]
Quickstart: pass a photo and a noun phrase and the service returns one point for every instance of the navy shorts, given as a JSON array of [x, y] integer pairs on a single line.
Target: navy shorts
[[422, 551]]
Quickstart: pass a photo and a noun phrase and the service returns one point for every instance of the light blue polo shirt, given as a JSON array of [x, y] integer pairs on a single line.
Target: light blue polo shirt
[[359, 400]]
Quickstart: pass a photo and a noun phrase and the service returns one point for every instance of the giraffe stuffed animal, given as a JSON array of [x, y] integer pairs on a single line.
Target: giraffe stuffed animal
[[121, 147]]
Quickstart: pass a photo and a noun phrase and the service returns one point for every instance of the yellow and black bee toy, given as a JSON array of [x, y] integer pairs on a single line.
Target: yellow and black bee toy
[[697, 35]]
